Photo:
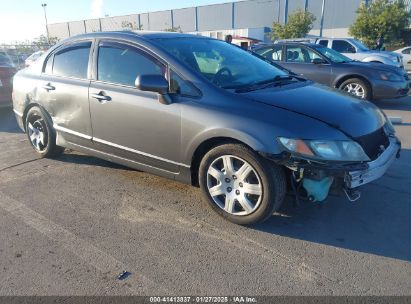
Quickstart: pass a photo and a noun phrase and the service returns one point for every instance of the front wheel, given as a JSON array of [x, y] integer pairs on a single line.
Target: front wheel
[[357, 87], [240, 185]]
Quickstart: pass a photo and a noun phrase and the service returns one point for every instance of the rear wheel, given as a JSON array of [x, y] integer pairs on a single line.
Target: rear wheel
[[41, 134], [357, 87], [240, 185]]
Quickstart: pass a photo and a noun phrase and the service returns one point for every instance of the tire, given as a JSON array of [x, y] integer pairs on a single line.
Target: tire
[[41, 133], [349, 85], [241, 196]]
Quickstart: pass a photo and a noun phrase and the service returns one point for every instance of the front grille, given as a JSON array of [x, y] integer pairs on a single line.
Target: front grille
[[373, 143]]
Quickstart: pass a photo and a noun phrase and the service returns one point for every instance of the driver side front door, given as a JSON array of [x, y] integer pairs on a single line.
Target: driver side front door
[[129, 123]]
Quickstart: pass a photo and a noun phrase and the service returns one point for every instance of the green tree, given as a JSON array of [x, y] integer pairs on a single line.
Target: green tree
[[381, 18], [42, 43], [299, 24]]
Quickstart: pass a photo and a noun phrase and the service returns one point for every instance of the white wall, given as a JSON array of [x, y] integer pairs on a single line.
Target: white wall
[[256, 33], [332, 33]]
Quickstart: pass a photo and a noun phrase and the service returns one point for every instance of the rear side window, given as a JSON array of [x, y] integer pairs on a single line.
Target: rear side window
[[323, 42], [407, 51], [343, 46], [274, 53], [72, 61], [121, 64]]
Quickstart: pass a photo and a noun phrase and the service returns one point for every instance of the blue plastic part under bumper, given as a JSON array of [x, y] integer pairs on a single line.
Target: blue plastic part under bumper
[[317, 191]]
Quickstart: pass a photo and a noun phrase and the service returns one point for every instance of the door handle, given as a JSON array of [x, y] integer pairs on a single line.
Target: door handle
[[48, 87], [100, 96]]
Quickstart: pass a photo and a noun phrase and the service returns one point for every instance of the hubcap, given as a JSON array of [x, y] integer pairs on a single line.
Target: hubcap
[[355, 89], [234, 185], [37, 134]]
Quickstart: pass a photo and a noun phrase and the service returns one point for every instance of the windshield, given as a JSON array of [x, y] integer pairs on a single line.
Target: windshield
[[359, 45], [332, 55], [225, 65]]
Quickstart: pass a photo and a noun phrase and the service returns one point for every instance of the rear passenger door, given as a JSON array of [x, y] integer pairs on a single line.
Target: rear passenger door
[[299, 60], [63, 89]]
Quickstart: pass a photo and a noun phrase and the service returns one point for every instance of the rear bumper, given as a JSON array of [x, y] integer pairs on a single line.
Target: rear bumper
[[376, 168]]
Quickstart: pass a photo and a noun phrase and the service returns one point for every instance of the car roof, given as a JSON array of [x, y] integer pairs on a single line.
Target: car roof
[[137, 34], [313, 45]]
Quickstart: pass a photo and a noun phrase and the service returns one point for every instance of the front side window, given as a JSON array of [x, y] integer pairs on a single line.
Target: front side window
[[72, 60], [274, 53], [223, 64], [299, 54], [180, 86], [343, 46], [122, 64]]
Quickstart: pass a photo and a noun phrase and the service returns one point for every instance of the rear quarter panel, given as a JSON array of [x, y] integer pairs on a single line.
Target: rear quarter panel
[[24, 91]]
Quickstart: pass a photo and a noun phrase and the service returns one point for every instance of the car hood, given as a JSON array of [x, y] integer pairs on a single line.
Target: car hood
[[375, 66], [381, 53], [349, 115]]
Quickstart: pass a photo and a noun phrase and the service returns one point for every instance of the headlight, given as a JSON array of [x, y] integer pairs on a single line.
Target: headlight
[[389, 76], [345, 150], [388, 126]]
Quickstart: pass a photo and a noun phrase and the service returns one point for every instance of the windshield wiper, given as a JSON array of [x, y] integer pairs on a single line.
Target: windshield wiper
[[277, 80]]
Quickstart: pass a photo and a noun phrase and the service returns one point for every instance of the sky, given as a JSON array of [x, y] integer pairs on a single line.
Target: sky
[[22, 20]]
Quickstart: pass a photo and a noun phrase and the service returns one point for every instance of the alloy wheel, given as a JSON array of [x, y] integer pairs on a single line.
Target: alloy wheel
[[37, 133], [355, 89], [234, 185]]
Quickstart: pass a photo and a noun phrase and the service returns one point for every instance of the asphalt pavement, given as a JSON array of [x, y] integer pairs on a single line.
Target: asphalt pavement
[[71, 225]]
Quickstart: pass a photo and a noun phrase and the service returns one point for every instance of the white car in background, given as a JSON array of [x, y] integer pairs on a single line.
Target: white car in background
[[33, 57], [406, 55]]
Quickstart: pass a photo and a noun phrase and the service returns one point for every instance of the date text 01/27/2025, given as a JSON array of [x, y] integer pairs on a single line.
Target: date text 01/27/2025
[[203, 299]]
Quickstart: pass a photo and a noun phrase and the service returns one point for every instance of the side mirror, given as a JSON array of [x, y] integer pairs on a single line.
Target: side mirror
[[154, 83], [319, 61]]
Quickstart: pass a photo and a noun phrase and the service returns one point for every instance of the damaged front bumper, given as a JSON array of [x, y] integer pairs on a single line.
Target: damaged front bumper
[[376, 168], [317, 178]]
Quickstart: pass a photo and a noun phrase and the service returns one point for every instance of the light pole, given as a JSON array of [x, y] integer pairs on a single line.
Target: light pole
[[322, 19], [47, 26]]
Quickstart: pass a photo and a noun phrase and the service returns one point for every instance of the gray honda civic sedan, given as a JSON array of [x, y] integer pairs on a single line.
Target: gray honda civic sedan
[[203, 112]]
